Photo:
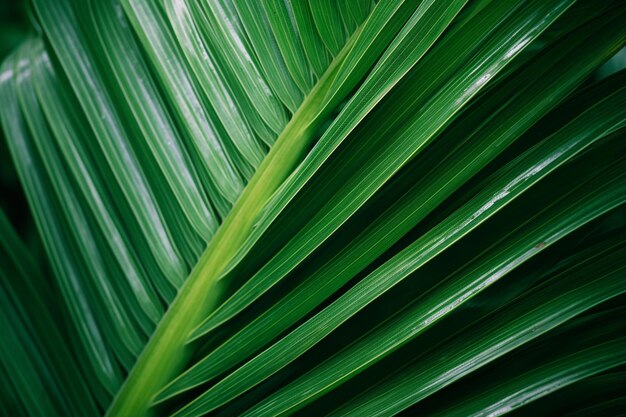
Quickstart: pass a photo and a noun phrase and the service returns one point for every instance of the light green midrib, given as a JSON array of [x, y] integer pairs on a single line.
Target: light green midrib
[[166, 352]]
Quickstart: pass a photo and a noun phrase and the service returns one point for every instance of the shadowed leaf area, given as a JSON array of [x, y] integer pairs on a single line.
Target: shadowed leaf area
[[310, 207]]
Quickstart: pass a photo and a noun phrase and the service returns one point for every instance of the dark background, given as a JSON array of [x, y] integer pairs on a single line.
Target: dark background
[[14, 27]]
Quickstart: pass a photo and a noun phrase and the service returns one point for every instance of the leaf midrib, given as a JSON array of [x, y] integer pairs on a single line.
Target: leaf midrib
[[167, 350]]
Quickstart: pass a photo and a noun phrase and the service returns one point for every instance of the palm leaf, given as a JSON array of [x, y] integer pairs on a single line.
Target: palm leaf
[[347, 208]]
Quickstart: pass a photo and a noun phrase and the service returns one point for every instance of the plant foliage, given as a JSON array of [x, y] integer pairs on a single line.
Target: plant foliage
[[357, 208]]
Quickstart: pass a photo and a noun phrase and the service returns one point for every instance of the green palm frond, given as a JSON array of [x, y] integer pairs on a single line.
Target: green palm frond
[[312, 207]]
